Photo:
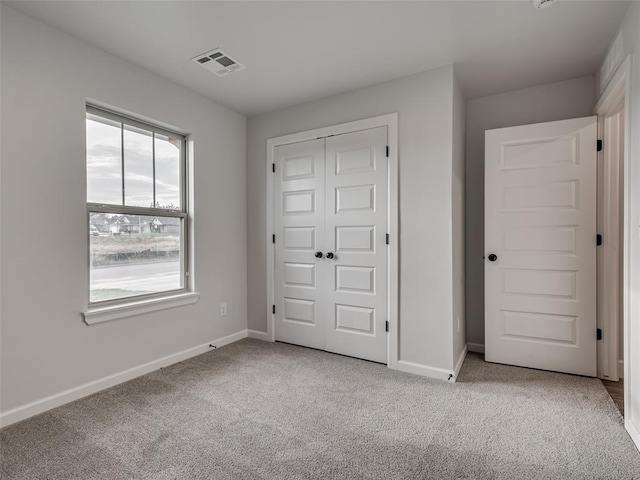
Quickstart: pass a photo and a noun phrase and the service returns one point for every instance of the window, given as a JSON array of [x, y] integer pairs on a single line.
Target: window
[[136, 203]]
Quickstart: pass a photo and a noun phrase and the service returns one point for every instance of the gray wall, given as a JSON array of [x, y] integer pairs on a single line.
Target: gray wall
[[458, 211], [544, 103], [424, 103], [46, 348]]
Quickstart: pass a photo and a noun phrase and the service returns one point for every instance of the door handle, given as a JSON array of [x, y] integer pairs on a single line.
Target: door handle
[[493, 257], [329, 255], [318, 254]]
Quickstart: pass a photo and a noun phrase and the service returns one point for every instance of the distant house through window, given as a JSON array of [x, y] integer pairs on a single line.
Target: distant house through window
[[136, 204]]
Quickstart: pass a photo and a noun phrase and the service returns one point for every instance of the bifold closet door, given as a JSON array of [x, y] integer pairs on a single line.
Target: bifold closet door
[[299, 284], [355, 232]]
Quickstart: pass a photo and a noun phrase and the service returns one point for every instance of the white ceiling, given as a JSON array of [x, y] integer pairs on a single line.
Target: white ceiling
[[300, 51]]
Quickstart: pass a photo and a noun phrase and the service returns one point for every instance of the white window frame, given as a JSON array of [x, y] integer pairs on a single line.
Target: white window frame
[[128, 306]]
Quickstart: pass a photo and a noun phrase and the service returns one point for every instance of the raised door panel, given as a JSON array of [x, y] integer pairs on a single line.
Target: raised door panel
[[298, 203], [351, 279], [355, 238], [358, 320], [299, 239], [299, 274], [355, 199], [299, 311]]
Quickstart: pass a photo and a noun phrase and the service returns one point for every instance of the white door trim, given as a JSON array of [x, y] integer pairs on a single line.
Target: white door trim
[[391, 122], [619, 88]]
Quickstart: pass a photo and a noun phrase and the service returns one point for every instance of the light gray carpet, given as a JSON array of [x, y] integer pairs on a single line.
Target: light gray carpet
[[254, 410]]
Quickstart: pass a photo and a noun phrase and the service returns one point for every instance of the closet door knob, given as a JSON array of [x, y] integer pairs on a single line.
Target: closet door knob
[[318, 254], [330, 255], [493, 257]]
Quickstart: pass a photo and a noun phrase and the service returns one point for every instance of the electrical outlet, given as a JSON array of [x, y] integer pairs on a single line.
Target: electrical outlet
[[223, 309]]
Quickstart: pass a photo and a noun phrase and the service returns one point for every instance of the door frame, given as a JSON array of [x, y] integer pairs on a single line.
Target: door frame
[[620, 85], [617, 90], [391, 122]]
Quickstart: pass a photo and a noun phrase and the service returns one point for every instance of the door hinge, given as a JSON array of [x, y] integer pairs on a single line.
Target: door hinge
[[386, 326], [387, 151], [387, 238], [273, 238], [599, 239], [599, 145], [599, 334], [273, 309], [273, 167]]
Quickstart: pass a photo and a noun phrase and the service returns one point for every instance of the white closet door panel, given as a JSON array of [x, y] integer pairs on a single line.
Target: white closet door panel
[[299, 214], [356, 222]]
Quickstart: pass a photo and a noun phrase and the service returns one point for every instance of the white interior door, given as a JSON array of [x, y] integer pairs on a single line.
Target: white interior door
[[331, 217], [540, 246], [356, 228], [300, 283]]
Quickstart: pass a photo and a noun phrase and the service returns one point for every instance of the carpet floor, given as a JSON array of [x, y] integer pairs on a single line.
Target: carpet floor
[[256, 410]]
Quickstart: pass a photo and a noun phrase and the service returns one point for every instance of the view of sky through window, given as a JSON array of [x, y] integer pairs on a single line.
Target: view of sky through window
[[105, 142], [104, 157]]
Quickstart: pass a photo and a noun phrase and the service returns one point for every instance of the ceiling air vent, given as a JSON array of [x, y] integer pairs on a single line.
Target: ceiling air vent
[[219, 62]]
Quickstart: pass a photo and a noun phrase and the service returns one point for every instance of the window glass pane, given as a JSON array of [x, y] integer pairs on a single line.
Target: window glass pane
[[134, 255], [104, 157], [168, 172], [138, 167]]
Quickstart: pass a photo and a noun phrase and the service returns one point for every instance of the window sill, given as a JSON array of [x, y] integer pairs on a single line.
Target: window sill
[[139, 307]]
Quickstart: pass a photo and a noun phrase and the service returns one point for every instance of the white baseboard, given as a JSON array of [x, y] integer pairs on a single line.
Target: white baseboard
[[475, 347], [221, 342], [633, 432], [621, 368], [463, 355], [426, 371], [259, 335], [40, 406]]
